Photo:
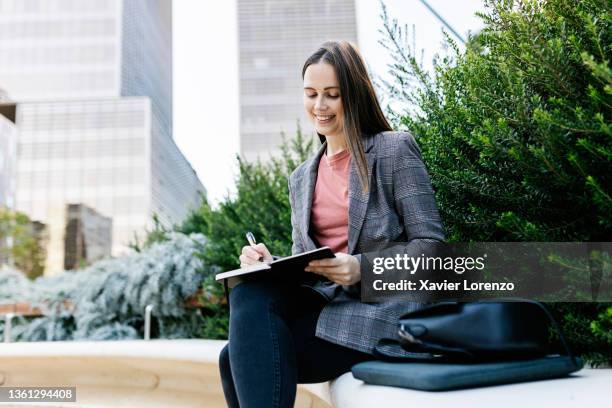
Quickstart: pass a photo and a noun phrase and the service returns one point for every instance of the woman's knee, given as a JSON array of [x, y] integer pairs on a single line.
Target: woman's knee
[[252, 293], [250, 300], [248, 294], [224, 362]]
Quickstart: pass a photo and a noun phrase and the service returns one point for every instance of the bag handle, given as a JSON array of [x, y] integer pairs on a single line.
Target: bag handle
[[557, 327], [553, 322], [423, 346]]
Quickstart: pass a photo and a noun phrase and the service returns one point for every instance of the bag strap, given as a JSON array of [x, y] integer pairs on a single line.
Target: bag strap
[[557, 327], [418, 345], [427, 356], [554, 324], [385, 341]]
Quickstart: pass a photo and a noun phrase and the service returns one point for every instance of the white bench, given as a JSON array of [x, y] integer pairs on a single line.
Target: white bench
[[586, 388], [185, 373], [134, 373]]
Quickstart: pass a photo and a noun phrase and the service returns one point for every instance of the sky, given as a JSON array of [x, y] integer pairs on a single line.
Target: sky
[[205, 77]]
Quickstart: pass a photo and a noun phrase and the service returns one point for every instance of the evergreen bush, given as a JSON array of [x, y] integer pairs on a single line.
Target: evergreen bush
[[261, 205], [515, 132]]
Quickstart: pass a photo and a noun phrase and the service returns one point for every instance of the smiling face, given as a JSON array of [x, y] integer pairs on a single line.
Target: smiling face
[[322, 99]]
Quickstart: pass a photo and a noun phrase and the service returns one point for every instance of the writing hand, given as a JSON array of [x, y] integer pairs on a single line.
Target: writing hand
[[250, 255]]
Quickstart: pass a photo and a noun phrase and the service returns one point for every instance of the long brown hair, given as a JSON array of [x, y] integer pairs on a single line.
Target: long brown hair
[[362, 112]]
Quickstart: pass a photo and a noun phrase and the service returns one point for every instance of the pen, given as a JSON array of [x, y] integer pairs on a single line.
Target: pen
[[251, 238]]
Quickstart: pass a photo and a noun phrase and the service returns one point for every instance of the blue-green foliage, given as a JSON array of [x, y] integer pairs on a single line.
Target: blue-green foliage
[[110, 297]]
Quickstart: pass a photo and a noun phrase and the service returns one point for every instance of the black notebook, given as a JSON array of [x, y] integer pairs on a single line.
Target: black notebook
[[289, 267]]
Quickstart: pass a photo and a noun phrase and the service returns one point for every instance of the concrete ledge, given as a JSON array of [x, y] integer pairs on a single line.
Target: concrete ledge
[[586, 388], [135, 373], [184, 373]]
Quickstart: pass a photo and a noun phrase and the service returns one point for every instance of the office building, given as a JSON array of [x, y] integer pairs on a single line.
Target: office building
[[78, 236], [66, 49], [110, 154], [93, 79], [275, 38], [8, 151]]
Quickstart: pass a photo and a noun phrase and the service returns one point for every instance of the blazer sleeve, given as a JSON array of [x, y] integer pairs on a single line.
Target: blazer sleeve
[[297, 245], [413, 194], [414, 202]]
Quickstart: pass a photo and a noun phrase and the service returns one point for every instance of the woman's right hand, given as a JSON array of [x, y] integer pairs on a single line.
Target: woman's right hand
[[251, 255]]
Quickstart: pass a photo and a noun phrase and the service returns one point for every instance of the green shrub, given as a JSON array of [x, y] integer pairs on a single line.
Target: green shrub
[[26, 253], [602, 328], [515, 131]]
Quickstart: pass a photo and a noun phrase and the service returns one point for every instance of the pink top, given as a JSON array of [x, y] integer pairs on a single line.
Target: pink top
[[329, 216]]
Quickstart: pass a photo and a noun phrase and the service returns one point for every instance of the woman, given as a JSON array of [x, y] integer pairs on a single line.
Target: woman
[[365, 188]]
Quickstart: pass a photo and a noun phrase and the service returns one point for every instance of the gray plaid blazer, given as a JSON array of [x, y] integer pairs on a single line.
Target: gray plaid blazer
[[400, 207]]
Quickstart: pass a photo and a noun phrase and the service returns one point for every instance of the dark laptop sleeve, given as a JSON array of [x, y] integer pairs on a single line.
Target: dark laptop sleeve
[[442, 376]]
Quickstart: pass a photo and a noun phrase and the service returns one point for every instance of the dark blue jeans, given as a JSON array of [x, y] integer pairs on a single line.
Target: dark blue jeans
[[272, 345]]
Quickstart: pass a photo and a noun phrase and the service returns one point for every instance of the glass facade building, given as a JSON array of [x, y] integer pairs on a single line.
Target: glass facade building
[[93, 79], [55, 49], [77, 236], [146, 55], [8, 153], [110, 154], [275, 38]]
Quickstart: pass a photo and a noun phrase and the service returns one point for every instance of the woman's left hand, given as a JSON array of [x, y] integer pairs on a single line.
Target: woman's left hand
[[343, 269]]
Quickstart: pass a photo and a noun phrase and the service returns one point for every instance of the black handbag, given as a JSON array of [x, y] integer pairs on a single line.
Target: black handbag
[[488, 330]]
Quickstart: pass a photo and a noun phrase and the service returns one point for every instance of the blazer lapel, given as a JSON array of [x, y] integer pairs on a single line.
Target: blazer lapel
[[358, 200], [308, 186]]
